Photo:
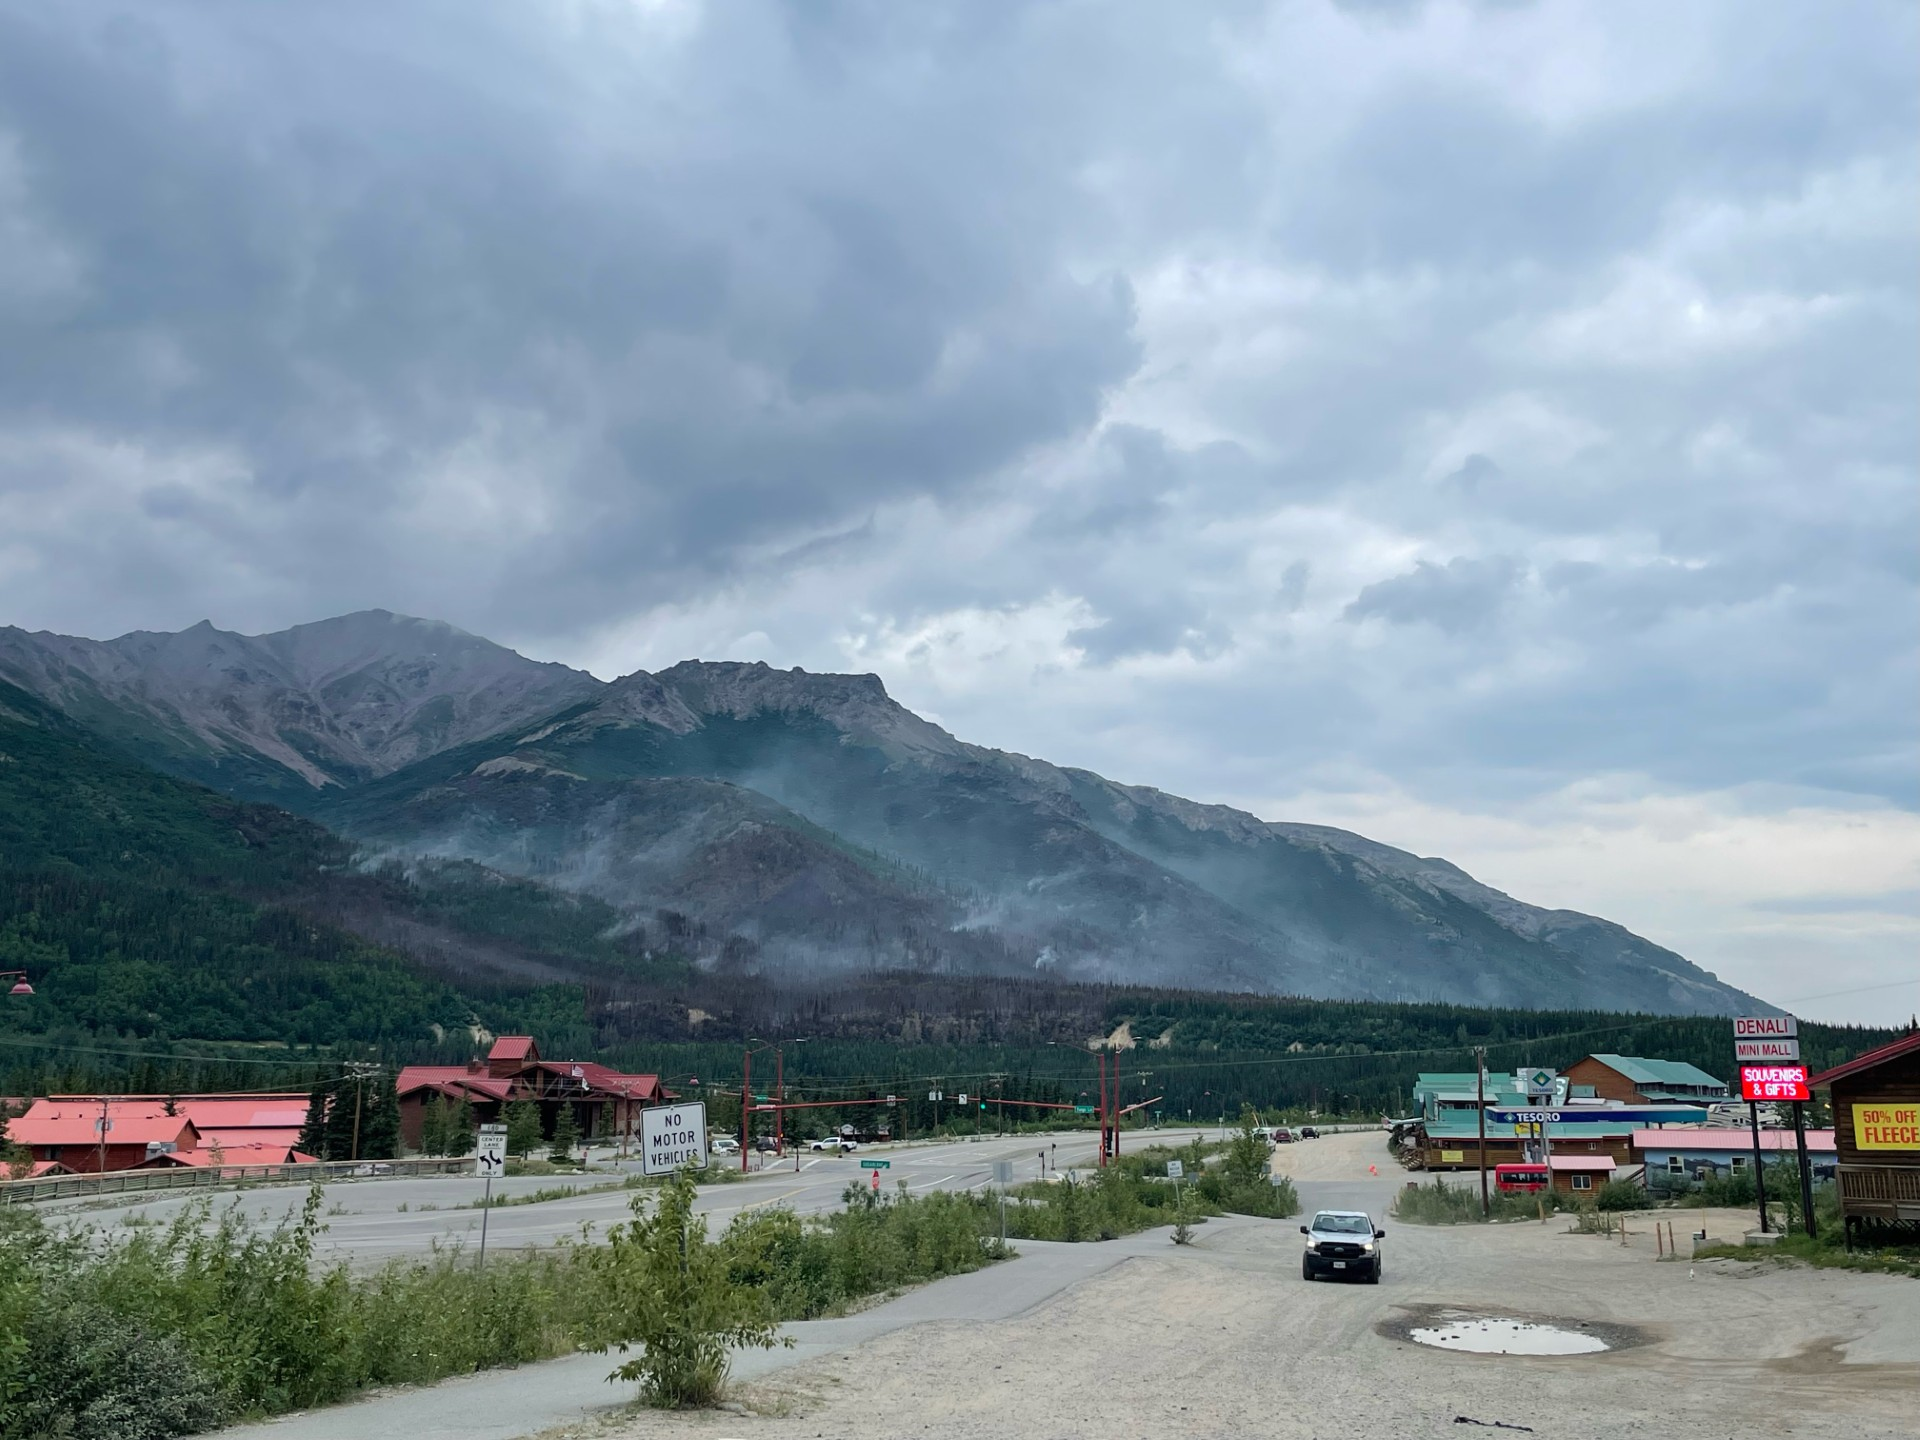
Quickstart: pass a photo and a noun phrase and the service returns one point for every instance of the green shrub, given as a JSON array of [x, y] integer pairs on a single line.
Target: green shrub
[[1621, 1195], [87, 1374], [241, 1319], [1444, 1204], [667, 1295]]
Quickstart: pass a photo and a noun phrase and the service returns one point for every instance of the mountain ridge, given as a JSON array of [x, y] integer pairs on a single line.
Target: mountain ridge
[[873, 837]]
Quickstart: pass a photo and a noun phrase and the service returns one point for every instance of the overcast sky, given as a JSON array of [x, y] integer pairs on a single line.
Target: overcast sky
[[1488, 426]]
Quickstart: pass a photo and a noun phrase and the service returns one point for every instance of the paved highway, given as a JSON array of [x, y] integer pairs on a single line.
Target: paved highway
[[370, 1221]]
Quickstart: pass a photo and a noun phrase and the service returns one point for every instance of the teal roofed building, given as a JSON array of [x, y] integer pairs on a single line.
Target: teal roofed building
[[1636, 1081], [1594, 1109]]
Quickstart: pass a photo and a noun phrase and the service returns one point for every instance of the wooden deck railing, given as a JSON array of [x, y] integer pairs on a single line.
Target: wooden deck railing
[[206, 1177], [1887, 1191]]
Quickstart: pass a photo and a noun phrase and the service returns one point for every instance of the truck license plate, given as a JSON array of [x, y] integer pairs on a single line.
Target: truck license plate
[[1339, 1264]]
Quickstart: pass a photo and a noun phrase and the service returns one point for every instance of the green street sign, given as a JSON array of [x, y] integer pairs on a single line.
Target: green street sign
[[1083, 1109], [876, 1164]]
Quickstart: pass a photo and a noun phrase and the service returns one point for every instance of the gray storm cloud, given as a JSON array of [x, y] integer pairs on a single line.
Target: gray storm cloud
[[1487, 395]]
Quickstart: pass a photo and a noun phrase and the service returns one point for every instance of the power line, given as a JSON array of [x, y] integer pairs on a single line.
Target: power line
[[26, 1043], [1856, 990]]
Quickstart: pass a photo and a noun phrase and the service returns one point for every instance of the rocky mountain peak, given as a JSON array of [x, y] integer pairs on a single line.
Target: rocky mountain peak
[[857, 705], [356, 695]]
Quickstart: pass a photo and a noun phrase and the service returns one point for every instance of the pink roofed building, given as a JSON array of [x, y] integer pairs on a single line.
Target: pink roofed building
[[70, 1133], [604, 1102], [1676, 1156], [257, 1125]]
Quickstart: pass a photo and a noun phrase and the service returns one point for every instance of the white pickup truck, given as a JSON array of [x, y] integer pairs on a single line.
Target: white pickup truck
[[1342, 1243]]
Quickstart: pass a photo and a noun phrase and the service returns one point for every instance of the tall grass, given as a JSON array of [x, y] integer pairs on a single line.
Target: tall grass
[[1443, 1204], [167, 1330], [1133, 1193]]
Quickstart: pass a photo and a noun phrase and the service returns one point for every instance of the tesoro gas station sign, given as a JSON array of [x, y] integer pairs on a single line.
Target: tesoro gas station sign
[[1886, 1127], [1774, 1082]]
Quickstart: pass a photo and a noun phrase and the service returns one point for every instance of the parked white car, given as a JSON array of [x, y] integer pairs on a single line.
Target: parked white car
[[723, 1145], [834, 1142]]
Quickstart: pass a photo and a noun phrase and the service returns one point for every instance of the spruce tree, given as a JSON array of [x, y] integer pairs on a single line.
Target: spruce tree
[[566, 1136], [434, 1124], [349, 1096], [460, 1130], [380, 1125], [313, 1130], [523, 1127]]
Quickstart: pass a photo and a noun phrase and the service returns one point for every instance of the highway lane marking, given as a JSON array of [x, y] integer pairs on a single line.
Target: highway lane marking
[[930, 1183], [754, 1204]]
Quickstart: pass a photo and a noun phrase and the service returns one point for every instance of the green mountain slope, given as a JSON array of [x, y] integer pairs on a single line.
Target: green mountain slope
[[1073, 875], [787, 823], [145, 906]]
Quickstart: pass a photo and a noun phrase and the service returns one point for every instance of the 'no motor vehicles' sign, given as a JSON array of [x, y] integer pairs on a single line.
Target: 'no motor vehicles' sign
[[672, 1136]]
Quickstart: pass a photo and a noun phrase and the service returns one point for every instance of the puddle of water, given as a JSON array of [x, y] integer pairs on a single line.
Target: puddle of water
[[1507, 1337]]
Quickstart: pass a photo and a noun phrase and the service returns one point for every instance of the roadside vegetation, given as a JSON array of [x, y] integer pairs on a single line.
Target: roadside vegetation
[[155, 1331], [1133, 1193], [1444, 1204], [1828, 1249]]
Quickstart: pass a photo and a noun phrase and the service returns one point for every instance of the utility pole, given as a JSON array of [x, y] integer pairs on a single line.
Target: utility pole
[[359, 1070], [105, 1125], [746, 1100], [1480, 1088], [1116, 1104]]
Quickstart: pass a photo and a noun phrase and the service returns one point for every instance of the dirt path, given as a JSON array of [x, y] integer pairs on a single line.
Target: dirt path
[[1225, 1339]]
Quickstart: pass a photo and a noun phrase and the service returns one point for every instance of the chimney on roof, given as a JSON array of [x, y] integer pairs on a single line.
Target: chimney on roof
[[475, 1066]]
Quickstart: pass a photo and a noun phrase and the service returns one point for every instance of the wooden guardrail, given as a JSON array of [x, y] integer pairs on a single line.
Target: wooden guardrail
[[209, 1177]]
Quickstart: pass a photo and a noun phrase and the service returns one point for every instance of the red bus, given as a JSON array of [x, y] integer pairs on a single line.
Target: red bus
[[1521, 1179]]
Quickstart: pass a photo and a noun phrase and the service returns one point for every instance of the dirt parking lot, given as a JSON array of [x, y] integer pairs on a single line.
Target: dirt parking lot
[[1225, 1339]]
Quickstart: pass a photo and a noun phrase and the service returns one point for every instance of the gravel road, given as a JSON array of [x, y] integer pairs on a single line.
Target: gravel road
[[1225, 1339]]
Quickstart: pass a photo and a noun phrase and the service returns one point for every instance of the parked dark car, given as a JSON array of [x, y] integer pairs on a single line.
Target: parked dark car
[[1307, 1132]]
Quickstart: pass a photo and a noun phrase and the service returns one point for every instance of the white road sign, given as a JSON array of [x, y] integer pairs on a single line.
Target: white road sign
[[1175, 1170], [490, 1155], [672, 1136], [1766, 1052], [1766, 1027]]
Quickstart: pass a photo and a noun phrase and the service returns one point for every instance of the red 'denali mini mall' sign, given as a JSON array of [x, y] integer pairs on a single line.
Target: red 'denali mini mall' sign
[[1774, 1082]]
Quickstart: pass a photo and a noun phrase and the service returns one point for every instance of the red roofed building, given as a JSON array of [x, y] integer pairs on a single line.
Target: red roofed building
[[604, 1102], [67, 1132], [256, 1124]]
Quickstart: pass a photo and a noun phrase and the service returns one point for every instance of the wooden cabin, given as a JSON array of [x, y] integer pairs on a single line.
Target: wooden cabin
[[1876, 1123]]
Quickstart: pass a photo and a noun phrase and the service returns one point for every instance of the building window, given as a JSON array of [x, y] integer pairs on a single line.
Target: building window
[[1739, 1164], [1675, 1165], [1583, 1182]]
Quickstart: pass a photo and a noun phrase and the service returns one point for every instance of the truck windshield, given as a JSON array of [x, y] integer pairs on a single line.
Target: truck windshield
[[1343, 1224]]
